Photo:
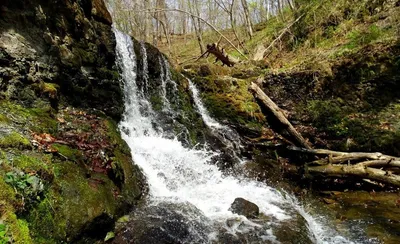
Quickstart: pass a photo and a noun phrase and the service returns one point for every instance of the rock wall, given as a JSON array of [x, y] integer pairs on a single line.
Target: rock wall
[[65, 173], [68, 45]]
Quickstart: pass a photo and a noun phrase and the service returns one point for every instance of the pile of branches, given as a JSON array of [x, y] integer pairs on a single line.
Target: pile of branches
[[372, 166], [375, 167]]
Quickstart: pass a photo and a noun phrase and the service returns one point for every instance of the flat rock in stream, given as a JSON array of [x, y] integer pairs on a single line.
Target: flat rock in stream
[[246, 208]]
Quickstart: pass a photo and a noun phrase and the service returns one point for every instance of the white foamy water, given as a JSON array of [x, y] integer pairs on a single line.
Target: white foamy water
[[210, 122], [182, 174]]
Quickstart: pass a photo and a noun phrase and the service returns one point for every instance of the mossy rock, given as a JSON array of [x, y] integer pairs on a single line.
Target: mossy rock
[[17, 229], [35, 163], [71, 154], [14, 140], [72, 203], [39, 120], [229, 99]]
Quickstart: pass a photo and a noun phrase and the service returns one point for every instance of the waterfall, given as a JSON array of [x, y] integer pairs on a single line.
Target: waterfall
[[145, 68], [229, 137], [210, 122], [185, 175]]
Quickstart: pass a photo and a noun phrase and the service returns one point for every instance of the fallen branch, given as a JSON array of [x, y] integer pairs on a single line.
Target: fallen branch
[[341, 157], [277, 112], [197, 17], [355, 170], [335, 153], [261, 53], [219, 54], [371, 166]]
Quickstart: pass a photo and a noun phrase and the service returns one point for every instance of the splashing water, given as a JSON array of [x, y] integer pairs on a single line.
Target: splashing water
[[176, 173]]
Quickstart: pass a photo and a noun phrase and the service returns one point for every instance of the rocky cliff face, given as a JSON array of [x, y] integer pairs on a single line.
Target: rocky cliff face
[[66, 174], [67, 45]]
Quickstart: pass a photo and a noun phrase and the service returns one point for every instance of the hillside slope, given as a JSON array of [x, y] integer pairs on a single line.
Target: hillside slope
[[335, 71]]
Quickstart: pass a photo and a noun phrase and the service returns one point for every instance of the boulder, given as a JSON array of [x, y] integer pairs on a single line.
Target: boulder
[[164, 223], [243, 207]]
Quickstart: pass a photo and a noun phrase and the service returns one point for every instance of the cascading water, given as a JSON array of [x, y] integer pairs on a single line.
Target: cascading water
[[145, 69], [229, 137], [184, 175]]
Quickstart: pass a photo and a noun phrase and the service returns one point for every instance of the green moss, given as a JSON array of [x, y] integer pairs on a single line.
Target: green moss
[[14, 140], [7, 193], [130, 174], [50, 227], [156, 102], [115, 138], [107, 73], [49, 89], [73, 201], [366, 130], [4, 119], [17, 229], [39, 120], [24, 236], [68, 152], [33, 162], [87, 57], [328, 115]]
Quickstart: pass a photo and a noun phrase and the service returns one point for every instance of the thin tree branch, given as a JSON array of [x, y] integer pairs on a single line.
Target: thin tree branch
[[200, 18]]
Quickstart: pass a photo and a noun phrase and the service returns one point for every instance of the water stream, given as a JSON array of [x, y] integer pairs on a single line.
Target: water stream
[[185, 175]]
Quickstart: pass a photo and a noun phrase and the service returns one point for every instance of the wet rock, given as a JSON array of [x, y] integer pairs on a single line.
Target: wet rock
[[243, 207], [293, 230], [226, 237], [100, 12], [165, 223]]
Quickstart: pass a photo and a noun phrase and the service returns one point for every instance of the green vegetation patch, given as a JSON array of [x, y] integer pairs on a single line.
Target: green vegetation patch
[[12, 229], [4, 238], [78, 201], [14, 140], [39, 120], [367, 131], [68, 152]]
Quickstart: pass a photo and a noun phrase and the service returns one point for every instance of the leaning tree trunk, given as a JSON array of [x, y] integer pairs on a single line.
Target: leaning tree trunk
[[277, 112]]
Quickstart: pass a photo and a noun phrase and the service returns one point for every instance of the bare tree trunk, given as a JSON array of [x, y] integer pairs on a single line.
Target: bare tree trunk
[[280, 9], [249, 25], [161, 18], [196, 23], [204, 21], [147, 24], [291, 5], [198, 35]]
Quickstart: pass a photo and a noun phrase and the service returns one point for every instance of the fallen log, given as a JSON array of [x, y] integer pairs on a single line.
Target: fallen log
[[365, 165], [277, 112], [358, 170], [219, 54], [335, 157]]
